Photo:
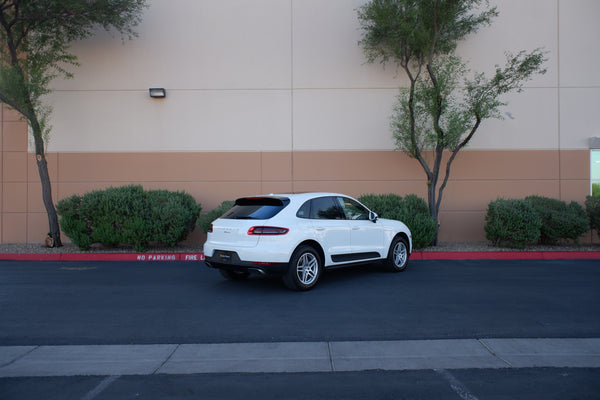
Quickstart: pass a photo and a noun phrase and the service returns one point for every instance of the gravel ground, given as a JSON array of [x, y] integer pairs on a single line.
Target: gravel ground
[[38, 248]]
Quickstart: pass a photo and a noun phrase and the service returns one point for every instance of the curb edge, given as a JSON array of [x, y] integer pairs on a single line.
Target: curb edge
[[417, 255]]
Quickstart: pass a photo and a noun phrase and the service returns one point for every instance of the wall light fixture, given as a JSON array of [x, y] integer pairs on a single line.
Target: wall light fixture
[[157, 92]]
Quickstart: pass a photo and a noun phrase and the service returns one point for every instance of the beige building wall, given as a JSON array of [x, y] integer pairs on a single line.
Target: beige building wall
[[275, 96]]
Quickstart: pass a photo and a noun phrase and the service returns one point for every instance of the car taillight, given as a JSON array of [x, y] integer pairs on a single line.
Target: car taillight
[[210, 229], [267, 230]]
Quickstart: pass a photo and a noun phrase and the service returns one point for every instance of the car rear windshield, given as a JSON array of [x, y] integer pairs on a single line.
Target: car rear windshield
[[256, 208]]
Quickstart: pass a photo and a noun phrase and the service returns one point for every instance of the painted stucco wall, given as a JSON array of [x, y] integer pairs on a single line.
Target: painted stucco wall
[[275, 95]]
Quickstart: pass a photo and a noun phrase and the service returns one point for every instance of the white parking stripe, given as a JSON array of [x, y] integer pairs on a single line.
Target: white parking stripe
[[456, 385], [92, 394]]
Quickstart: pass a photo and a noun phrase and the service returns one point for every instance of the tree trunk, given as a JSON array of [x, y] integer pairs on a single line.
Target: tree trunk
[[26, 107], [53, 226], [433, 210]]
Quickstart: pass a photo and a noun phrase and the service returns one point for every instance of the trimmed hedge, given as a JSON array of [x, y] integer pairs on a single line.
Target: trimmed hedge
[[592, 208], [559, 219], [411, 209], [512, 223], [518, 223], [204, 220], [128, 215]]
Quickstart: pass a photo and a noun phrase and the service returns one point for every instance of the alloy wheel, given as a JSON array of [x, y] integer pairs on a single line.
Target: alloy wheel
[[307, 268]]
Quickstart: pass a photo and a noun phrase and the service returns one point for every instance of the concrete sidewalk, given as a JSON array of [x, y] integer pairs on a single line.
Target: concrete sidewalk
[[113, 360]]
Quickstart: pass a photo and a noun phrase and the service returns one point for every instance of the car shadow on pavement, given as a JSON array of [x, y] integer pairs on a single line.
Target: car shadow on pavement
[[334, 277], [353, 272]]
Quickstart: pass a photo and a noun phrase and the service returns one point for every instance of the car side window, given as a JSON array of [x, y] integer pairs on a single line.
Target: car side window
[[325, 208], [304, 211], [352, 209]]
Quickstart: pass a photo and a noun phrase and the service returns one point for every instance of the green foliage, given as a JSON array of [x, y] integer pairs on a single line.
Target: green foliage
[[559, 219], [512, 223], [420, 122], [482, 95], [385, 205], [128, 215], [592, 208], [407, 31], [35, 36], [595, 189], [205, 219], [73, 222], [423, 229], [411, 210], [442, 108]]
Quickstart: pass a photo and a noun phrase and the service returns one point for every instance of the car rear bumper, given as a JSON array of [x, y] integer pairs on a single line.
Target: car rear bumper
[[230, 260]]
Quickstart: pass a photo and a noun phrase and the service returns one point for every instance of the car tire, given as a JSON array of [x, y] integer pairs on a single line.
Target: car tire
[[304, 270], [398, 254], [234, 275]]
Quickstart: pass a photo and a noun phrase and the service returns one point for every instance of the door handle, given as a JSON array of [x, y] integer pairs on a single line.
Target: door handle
[[319, 228]]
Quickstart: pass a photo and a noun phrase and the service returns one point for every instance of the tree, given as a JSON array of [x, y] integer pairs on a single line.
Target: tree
[[34, 49], [435, 114]]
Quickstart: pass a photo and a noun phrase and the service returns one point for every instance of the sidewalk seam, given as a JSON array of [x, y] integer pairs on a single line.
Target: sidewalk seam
[[166, 360], [494, 354], [331, 363], [20, 357]]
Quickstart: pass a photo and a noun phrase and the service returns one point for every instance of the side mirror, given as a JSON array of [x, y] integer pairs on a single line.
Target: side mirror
[[372, 216]]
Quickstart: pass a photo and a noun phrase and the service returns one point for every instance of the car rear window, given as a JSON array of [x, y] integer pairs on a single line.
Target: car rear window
[[321, 208], [256, 208]]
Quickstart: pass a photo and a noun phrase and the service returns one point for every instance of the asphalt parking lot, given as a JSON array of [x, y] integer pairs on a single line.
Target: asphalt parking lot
[[81, 303], [503, 384], [358, 325]]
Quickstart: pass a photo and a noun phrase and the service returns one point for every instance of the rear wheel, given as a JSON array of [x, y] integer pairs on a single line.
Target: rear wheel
[[397, 258], [234, 275], [305, 269]]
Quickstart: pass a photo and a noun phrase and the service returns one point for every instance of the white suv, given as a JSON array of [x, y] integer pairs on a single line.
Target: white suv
[[298, 235]]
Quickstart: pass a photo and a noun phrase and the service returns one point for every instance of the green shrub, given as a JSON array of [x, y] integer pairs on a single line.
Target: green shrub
[[72, 224], [411, 209], [512, 223], [385, 205], [559, 219], [204, 220], [592, 208], [595, 189], [128, 215]]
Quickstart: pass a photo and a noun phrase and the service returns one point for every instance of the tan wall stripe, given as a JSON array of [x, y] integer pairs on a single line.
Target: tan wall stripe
[[478, 177]]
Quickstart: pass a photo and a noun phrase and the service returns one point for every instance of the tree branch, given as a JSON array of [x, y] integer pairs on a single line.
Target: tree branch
[[415, 151], [451, 159]]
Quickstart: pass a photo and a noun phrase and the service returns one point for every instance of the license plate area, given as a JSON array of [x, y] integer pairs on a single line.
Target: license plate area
[[226, 257]]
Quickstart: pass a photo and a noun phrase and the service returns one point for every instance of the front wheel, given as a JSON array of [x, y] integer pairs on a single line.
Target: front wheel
[[397, 258], [304, 270]]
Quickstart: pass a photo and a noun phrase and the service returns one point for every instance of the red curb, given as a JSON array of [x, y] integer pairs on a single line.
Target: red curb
[[570, 255], [481, 255], [506, 255], [417, 255], [104, 257]]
